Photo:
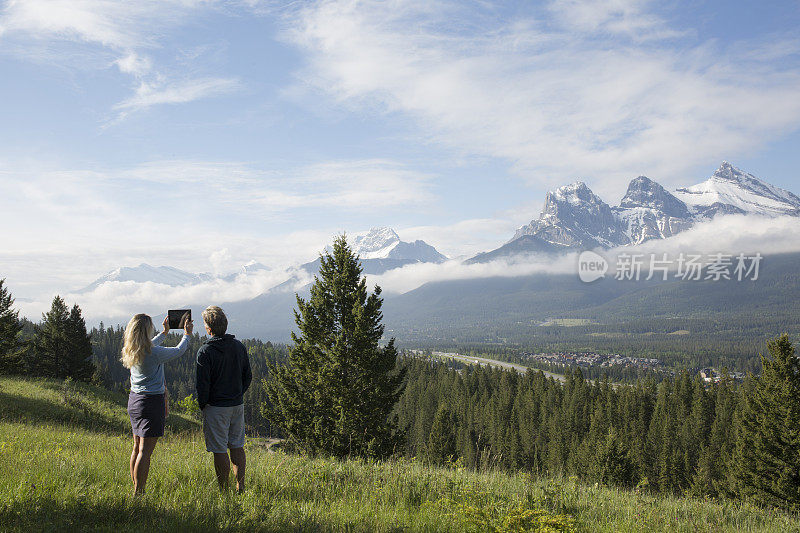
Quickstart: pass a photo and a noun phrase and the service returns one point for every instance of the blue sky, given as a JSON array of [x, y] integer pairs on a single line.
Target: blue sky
[[204, 134]]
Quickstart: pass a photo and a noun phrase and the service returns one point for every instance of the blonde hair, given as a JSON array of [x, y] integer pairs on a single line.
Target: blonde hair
[[216, 320], [138, 343]]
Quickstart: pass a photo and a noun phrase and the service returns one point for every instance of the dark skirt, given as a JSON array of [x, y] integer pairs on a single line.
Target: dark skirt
[[147, 414]]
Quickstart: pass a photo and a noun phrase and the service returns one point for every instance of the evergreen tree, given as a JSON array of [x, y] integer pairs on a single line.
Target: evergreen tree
[[61, 346], [339, 387], [78, 362], [612, 460], [10, 327], [709, 478], [50, 342], [442, 438], [766, 466]]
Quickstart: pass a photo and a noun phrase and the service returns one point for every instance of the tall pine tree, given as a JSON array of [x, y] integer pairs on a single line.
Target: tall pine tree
[[61, 346], [766, 465], [336, 393], [78, 364], [50, 343], [442, 438], [10, 328]]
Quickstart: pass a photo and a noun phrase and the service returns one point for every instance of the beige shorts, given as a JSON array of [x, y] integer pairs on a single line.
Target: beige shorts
[[223, 428]]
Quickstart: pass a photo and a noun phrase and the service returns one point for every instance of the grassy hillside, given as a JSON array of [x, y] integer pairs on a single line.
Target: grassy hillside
[[64, 456]]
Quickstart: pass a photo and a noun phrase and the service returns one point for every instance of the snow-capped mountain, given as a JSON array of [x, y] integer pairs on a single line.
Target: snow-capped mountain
[[575, 218], [247, 269], [729, 190], [143, 273], [380, 249], [166, 275], [572, 217], [384, 243], [649, 211], [254, 266], [377, 243]]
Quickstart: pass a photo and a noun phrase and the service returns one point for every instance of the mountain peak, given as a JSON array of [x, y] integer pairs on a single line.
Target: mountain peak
[[375, 242], [144, 273], [573, 217], [730, 190], [380, 249], [253, 266], [383, 242], [576, 193], [576, 188], [384, 232], [646, 193], [729, 172]]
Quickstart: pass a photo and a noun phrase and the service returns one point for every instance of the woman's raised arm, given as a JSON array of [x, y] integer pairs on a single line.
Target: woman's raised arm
[[159, 338], [164, 354]]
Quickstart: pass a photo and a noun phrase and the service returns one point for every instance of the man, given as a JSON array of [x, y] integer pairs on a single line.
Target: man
[[223, 375]]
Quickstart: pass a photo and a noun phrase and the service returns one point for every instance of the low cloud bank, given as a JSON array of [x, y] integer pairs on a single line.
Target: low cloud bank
[[733, 234], [117, 301]]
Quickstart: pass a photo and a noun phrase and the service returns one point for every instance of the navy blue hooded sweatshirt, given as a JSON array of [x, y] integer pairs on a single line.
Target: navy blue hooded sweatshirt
[[223, 372]]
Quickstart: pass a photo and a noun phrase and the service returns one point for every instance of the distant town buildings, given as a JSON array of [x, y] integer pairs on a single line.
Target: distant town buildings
[[578, 359], [712, 375], [589, 359]]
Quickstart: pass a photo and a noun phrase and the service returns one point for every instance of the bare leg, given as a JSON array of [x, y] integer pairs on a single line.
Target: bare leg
[[142, 466], [134, 454], [239, 461], [223, 468]]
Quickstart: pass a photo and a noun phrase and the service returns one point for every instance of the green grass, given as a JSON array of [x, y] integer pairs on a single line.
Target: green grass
[[62, 471], [80, 406]]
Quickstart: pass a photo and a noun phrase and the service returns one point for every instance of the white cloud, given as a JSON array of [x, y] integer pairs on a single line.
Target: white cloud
[[124, 29], [134, 64], [116, 24], [110, 23], [221, 260], [620, 17], [360, 184], [71, 226], [117, 300], [560, 101], [368, 185], [365, 185], [154, 93], [734, 234]]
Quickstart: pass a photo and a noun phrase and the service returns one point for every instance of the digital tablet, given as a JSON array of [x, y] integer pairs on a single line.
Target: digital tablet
[[177, 317]]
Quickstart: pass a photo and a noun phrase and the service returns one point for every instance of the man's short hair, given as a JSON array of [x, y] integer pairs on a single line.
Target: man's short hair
[[216, 320]]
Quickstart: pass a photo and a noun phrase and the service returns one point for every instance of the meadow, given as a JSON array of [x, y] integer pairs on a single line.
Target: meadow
[[64, 450]]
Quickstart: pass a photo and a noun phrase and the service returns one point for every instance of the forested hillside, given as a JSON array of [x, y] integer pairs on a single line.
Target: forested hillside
[[680, 436]]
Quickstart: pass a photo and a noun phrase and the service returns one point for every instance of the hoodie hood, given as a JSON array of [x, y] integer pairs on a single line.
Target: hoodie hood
[[219, 342]]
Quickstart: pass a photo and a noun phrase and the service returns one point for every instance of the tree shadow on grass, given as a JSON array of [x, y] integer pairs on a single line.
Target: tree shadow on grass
[[81, 392], [80, 414], [26, 410], [48, 514]]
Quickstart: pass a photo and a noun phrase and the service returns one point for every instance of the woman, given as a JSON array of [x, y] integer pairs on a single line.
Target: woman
[[143, 354]]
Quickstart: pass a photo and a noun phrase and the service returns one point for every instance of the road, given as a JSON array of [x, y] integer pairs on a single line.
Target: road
[[492, 362]]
